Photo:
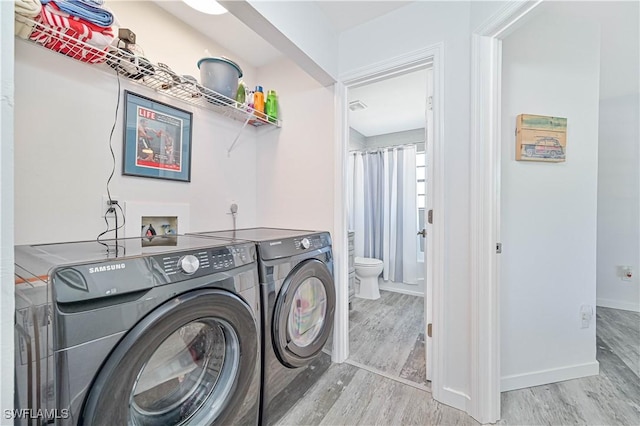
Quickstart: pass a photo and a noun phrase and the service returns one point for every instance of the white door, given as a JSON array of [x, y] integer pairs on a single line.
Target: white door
[[428, 250]]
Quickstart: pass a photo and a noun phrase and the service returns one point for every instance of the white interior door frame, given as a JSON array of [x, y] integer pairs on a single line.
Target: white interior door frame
[[486, 57], [430, 56]]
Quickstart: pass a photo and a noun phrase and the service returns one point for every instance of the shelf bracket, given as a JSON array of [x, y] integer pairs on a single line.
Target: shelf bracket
[[249, 116]]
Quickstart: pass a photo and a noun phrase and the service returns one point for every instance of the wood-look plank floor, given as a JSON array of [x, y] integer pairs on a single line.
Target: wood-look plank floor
[[611, 398], [347, 395], [617, 329], [387, 335]]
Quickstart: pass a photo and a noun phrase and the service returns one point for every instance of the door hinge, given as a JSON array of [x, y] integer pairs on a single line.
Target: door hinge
[[429, 327], [499, 248], [430, 103], [430, 217]]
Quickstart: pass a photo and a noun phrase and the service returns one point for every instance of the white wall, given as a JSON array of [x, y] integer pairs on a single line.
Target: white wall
[[6, 206], [64, 113], [415, 136], [300, 30], [295, 163], [619, 152], [618, 201], [411, 28], [550, 67], [357, 141], [305, 24]]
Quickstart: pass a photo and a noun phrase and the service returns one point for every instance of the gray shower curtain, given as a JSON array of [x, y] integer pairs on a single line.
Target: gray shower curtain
[[383, 209]]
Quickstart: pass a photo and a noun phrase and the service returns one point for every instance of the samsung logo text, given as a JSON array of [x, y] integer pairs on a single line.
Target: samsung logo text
[[107, 268]]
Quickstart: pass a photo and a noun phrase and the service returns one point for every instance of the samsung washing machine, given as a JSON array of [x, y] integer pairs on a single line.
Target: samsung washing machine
[[151, 331], [298, 304]]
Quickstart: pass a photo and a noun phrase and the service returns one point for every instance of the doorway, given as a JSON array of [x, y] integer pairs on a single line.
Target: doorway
[[429, 58], [386, 208]]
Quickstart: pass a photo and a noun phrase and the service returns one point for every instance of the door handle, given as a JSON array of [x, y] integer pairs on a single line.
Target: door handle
[[423, 233]]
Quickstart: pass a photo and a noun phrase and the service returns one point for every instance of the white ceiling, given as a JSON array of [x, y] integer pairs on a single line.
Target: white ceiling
[[232, 34], [393, 105], [226, 30]]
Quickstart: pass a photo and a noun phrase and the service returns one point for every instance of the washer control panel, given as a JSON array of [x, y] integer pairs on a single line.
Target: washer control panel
[[179, 266]]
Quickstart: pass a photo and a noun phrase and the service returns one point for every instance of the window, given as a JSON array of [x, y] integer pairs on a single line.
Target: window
[[421, 178], [421, 186]]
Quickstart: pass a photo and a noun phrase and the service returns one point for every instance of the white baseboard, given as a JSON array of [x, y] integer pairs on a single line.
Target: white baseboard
[[544, 377], [400, 290], [618, 304], [453, 398]]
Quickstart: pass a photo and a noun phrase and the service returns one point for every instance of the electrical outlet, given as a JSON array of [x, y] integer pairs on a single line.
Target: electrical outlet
[[104, 205], [586, 315]]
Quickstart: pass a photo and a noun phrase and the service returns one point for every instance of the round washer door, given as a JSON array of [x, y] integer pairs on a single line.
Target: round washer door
[[303, 313], [189, 362]]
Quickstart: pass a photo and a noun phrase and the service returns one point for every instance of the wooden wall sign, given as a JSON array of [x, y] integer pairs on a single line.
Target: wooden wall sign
[[541, 138]]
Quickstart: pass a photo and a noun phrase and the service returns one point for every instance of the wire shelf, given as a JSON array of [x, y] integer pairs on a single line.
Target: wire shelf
[[138, 69]]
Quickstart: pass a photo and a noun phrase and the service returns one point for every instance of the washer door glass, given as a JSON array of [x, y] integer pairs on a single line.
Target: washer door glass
[[197, 360], [308, 312], [191, 361], [303, 313]]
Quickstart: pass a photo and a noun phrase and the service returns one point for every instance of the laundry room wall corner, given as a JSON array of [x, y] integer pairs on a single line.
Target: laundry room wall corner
[[295, 167]]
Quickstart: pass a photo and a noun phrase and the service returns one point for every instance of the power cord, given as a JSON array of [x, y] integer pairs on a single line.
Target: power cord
[[113, 128], [110, 200]]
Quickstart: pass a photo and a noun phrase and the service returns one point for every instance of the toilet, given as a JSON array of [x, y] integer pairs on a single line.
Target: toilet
[[367, 272]]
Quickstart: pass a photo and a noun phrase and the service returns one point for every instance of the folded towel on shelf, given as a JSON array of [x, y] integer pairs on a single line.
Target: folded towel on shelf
[[72, 36], [97, 3], [97, 15], [28, 8], [25, 12]]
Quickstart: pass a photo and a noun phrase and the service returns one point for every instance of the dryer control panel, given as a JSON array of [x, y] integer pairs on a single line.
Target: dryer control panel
[[276, 249], [311, 242]]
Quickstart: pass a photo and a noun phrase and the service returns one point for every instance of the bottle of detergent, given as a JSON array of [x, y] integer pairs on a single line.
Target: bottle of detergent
[[271, 106], [241, 96], [258, 101]]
